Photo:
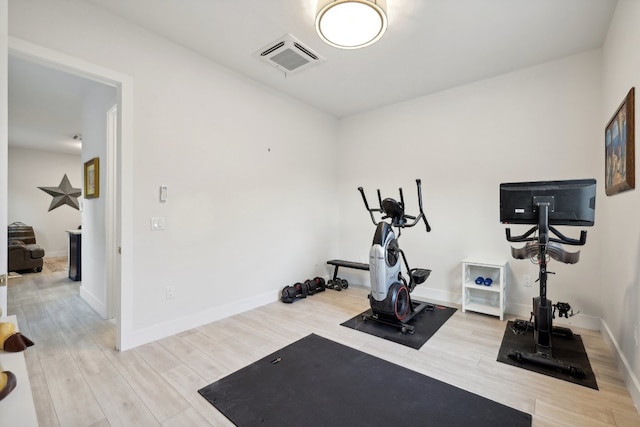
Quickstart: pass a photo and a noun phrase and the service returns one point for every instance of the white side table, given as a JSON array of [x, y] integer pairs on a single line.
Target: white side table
[[479, 297]]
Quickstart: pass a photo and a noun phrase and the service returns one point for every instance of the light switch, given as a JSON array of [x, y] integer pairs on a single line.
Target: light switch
[[163, 193], [157, 223]]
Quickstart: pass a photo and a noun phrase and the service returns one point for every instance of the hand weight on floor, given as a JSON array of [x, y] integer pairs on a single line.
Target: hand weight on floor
[[300, 290], [316, 285], [320, 283], [291, 293], [288, 294], [337, 284]]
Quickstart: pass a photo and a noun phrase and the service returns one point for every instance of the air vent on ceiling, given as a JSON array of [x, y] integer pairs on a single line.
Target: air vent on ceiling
[[288, 55]]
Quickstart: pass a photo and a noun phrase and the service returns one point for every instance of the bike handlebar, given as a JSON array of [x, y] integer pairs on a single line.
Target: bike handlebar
[[561, 237]]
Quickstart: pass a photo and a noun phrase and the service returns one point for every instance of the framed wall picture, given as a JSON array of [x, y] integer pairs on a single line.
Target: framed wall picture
[[619, 149], [92, 178]]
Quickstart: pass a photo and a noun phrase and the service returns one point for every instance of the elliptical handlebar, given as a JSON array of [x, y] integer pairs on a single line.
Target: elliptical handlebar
[[424, 217], [403, 224], [366, 205]]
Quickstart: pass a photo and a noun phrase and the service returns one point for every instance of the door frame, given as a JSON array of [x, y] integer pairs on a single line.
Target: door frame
[[120, 194], [111, 214]]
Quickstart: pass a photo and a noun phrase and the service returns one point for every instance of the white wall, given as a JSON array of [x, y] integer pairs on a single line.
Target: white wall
[[541, 123], [94, 145], [619, 291], [249, 173], [30, 169]]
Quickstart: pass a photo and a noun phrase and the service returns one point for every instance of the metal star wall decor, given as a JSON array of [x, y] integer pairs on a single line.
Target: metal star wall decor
[[63, 194]]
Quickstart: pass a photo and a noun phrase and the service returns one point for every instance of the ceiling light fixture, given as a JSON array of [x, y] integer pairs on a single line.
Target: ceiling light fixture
[[351, 24]]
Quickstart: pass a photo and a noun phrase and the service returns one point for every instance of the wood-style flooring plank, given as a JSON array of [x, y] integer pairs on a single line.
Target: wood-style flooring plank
[[46, 412], [190, 417], [77, 377], [187, 383], [120, 403], [72, 397], [162, 400]]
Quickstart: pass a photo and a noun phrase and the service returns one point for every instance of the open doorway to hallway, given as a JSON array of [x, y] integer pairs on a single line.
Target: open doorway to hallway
[[58, 120]]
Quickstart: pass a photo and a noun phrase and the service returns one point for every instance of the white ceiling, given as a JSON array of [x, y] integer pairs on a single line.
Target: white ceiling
[[45, 107], [430, 45]]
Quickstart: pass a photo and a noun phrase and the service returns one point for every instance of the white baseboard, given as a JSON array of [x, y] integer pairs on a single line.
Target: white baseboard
[[156, 332], [93, 302], [630, 380]]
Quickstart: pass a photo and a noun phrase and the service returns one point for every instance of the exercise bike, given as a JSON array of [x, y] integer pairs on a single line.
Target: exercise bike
[[390, 298], [547, 203]]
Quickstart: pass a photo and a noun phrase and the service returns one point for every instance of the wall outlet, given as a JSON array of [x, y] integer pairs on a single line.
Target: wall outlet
[[171, 292], [157, 223], [526, 281]]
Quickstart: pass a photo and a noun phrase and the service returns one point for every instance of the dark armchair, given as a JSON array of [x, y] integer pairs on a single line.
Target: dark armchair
[[23, 252]]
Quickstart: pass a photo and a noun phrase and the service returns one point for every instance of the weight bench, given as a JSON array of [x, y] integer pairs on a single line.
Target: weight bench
[[337, 283], [347, 264]]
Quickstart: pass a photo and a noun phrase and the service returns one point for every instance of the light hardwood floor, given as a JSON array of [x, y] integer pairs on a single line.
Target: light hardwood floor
[[78, 379]]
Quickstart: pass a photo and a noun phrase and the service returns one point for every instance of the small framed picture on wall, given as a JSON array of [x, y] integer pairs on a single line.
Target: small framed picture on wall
[[92, 178]]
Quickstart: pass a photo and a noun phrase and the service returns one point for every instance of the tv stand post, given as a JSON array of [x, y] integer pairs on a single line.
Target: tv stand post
[[542, 309]]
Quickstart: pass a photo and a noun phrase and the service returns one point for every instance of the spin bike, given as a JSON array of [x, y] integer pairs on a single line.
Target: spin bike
[[540, 248], [390, 298]]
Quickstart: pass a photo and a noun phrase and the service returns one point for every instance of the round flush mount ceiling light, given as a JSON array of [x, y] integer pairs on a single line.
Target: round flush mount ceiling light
[[351, 24]]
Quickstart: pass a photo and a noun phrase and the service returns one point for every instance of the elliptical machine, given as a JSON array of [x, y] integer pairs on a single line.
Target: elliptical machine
[[390, 298]]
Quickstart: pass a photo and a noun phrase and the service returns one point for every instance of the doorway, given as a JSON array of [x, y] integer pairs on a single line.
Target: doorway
[[105, 215]]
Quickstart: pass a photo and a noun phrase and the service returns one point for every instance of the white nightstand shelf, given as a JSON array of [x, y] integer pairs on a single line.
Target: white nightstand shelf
[[480, 298]]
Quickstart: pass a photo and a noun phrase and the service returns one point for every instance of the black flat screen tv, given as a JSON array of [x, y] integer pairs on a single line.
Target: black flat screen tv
[[571, 202]]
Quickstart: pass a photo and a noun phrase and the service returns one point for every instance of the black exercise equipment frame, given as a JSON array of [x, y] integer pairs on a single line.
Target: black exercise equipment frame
[[394, 210], [543, 312]]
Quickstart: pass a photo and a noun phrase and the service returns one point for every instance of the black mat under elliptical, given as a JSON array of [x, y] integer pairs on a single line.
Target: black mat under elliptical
[[569, 350], [426, 324], [318, 382]]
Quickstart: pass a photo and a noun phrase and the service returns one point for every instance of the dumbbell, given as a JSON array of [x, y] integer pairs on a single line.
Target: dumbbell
[[288, 294], [482, 281], [309, 287], [301, 290], [314, 286], [320, 284], [291, 293], [337, 284]]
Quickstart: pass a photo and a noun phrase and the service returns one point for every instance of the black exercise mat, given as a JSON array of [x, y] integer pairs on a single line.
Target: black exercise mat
[[318, 382], [426, 324], [569, 350]]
